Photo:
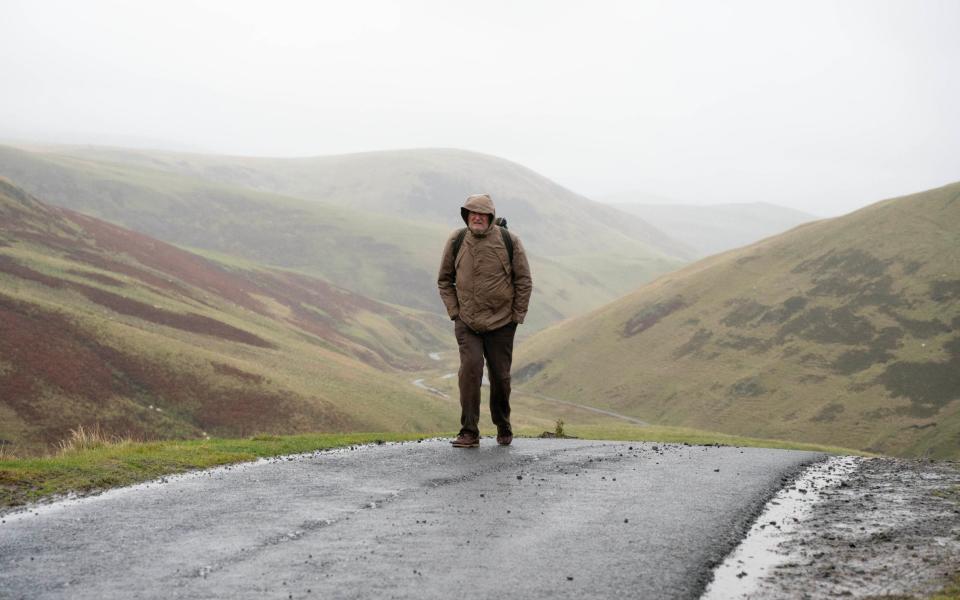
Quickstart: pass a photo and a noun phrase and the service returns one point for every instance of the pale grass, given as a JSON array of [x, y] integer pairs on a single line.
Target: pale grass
[[6, 453], [90, 439]]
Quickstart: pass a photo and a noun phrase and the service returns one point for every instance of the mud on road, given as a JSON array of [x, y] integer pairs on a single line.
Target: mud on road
[[890, 529]]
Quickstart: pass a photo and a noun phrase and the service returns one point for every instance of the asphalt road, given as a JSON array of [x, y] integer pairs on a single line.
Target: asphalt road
[[542, 518]]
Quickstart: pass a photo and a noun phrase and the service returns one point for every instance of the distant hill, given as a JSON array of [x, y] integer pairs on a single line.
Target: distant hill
[[99, 324], [844, 331], [710, 229], [583, 253], [427, 185]]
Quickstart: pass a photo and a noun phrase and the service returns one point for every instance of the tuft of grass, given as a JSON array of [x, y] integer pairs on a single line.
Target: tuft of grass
[[558, 428], [109, 463], [90, 439]]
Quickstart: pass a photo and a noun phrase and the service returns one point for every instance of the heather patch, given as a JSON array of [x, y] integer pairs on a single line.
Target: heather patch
[[787, 309], [741, 342], [919, 328], [528, 371], [190, 322], [694, 344], [747, 387], [928, 385], [828, 413], [944, 290], [826, 326], [650, 316], [854, 361], [745, 311], [851, 262], [225, 369]]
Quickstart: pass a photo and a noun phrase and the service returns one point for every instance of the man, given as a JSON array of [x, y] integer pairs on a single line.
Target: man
[[486, 294]]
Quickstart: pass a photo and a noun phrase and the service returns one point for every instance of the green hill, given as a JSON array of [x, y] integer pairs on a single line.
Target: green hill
[[843, 331], [390, 255], [99, 324]]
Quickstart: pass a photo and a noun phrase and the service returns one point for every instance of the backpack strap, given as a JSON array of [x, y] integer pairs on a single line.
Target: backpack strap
[[508, 242], [458, 243]]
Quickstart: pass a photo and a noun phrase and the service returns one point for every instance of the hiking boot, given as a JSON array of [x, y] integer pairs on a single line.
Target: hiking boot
[[466, 440], [504, 439]]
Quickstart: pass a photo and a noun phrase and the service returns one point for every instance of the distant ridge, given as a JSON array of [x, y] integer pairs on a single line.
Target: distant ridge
[[843, 331]]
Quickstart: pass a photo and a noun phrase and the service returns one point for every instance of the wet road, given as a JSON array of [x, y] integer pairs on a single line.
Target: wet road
[[542, 518]]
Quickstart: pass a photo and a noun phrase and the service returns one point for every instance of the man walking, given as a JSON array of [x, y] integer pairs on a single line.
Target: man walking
[[485, 284]]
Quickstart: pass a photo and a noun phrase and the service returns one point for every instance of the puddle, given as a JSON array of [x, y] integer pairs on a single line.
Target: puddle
[[756, 556]]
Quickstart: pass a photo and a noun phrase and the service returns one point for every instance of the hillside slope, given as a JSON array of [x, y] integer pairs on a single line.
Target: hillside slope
[[382, 256], [99, 324], [843, 331]]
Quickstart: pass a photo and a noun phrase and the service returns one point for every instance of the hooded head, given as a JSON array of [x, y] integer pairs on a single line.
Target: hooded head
[[478, 203]]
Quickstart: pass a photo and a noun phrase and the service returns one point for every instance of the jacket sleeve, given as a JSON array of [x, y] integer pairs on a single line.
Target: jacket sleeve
[[446, 278], [522, 281]]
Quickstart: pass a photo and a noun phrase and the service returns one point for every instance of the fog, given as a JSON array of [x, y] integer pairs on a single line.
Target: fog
[[820, 106]]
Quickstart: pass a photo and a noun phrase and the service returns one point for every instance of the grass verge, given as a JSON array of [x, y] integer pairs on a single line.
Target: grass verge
[[86, 470]]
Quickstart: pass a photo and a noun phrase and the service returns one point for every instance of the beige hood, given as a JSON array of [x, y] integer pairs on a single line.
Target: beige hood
[[479, 203]]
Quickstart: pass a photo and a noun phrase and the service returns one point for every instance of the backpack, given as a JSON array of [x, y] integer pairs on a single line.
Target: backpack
[[507, 241]]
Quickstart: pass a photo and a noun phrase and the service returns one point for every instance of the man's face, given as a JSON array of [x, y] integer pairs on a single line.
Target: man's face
[[477, 222]]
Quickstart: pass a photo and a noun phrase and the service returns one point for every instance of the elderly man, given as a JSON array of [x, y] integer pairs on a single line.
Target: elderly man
[[485, 284]]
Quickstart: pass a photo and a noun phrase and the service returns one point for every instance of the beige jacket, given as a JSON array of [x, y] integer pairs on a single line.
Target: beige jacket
[[479, 284]]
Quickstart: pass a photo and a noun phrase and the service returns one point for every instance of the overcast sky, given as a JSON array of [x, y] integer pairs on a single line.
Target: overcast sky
[[822, 106]]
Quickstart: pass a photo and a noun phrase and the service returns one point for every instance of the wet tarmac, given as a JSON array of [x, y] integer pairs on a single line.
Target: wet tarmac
[[539, 519], [758, 556]]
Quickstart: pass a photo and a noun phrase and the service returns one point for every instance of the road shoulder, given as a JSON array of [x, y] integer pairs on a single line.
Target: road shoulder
[[886, 528]]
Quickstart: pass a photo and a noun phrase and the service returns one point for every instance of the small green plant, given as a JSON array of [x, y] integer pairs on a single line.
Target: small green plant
[[558, 428]]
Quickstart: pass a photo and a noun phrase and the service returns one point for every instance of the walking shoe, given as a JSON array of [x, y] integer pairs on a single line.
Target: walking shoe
[[466, 440], [504, 439]]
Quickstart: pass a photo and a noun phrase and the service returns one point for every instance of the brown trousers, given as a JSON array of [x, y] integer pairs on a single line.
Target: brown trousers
[[497, 348]]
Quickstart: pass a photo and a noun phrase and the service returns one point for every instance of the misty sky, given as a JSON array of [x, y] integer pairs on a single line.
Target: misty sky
[[822, 106]]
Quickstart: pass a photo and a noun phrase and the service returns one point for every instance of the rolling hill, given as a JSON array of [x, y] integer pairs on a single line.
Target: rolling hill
[[99, 324], [710, 229], [578, 262], [843, 331], [427, 185]]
